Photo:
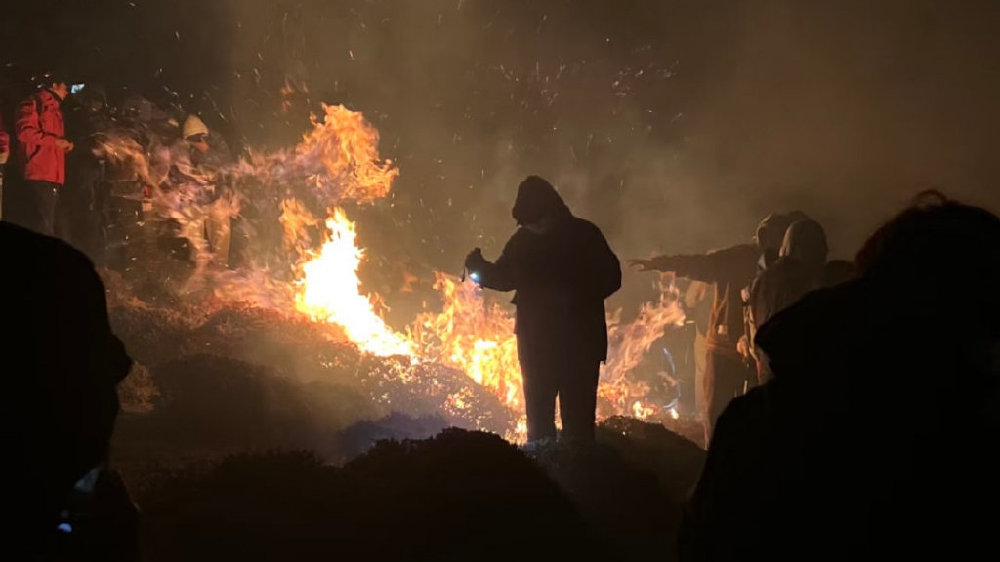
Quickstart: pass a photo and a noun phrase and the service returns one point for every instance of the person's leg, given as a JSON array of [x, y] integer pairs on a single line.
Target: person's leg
[[217, 229], [725, 377], [578, 400], [539, 397], [39, 201], [46, 199]]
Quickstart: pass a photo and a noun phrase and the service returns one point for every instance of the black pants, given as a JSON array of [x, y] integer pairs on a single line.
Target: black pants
[[40, 198], [573, 380]]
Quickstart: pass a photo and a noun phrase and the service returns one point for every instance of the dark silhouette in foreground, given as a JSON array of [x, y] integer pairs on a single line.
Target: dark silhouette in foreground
[[562, 269], [459, 496], [61, 364], [877, 435]]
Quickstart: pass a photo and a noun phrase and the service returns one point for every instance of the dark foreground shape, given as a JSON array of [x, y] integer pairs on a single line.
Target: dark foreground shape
[[877, 437], [61, 364], [630, 487], [459, 496]]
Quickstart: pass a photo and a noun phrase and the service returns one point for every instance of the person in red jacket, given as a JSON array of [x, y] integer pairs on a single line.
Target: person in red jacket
[[41, 153], [4, 156], [4, 143]]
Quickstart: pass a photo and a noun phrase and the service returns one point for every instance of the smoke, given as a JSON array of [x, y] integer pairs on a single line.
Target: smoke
[[675, 126]]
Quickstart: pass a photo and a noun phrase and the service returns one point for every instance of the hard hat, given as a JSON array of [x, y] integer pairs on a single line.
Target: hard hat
[[193, 126]]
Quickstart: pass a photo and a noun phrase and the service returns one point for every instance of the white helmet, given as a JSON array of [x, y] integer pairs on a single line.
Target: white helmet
[[193, 126]]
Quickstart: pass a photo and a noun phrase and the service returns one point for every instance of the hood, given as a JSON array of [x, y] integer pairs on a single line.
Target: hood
[[805, 242], [193, 126], [537, 199]]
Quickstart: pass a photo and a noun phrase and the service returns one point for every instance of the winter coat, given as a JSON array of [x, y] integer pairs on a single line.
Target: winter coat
[[561, 277], [4, 137], [39, 128]]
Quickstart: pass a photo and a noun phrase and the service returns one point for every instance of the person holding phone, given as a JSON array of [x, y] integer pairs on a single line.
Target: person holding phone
[[562, 270], [42, 148]]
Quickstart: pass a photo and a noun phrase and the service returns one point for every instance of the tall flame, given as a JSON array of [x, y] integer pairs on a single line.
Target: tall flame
[[331, 292]]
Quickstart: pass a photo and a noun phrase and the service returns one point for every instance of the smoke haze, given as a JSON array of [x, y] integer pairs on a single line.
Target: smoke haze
[[674, 125]]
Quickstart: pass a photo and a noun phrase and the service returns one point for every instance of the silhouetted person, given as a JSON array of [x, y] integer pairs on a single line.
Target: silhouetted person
[[61, 364], [876, 437], [4, 157], [562, 270], [727, 372], [81, 209]]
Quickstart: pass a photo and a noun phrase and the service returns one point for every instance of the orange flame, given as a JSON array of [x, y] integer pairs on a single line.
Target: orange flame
[[331, 292], [345, 146], [628, 344], [473, 337]]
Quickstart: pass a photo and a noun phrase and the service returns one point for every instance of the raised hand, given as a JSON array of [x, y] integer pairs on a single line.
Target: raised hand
[[642, 265]]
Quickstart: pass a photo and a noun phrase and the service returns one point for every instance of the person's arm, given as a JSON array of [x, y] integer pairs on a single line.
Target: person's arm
[[718, 265], [603, 270], [29, 129], [505, 274]]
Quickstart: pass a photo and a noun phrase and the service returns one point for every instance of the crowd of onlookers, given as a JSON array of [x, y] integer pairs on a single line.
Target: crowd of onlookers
[[88, 171]]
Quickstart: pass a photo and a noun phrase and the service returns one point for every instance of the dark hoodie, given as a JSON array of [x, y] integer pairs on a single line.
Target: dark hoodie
[[561, 276]]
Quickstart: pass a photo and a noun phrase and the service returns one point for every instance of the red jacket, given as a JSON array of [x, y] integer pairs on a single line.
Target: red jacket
[[39, 127], [4, 137]]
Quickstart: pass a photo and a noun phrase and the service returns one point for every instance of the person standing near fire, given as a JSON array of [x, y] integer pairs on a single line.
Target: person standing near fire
[[727, 373], [195, 191], [562, 271], [41, 154], [4, 157]]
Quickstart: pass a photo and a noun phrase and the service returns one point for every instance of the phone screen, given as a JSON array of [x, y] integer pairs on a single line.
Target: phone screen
[[75, 88]]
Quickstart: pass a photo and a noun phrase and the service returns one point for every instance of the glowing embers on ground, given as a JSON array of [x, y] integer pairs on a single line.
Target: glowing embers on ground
[[472, 336], [331, 292]]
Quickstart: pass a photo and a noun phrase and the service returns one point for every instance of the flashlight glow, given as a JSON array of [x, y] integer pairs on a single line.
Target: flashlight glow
[[474, 276]]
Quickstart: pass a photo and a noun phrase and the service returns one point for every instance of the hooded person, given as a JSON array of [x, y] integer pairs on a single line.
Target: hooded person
[[82, 205], [562, 271], [193, 192], [801, 267], [730, 270], [876, 436]]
